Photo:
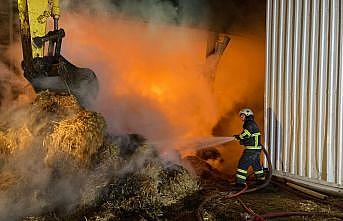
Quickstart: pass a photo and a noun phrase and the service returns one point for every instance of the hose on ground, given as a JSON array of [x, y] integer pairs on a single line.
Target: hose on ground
[[231, 195], [255, 216]]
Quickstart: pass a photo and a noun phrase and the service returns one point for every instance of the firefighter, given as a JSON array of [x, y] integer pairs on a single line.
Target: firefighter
[[250, 138]]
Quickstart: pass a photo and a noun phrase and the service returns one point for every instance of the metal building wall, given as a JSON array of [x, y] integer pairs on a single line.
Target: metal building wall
[[304, 91]]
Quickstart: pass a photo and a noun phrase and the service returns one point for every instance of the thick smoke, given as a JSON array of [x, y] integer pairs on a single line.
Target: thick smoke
[[230, 16], [149, 57], [152, 73], [14, 89], [150, 76], [156, 11]]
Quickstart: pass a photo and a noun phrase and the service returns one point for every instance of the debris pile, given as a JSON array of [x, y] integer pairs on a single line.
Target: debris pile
[[151, 189], [207, 174], [209, 153], [101, 175]]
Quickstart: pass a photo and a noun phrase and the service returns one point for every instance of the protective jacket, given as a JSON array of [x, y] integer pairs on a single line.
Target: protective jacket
[[251, 139], [251, 136]]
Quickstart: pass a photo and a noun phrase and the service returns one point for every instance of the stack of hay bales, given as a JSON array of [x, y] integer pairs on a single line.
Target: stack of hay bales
[[80, 135], [75, 131], [142, 185], [123, 174]]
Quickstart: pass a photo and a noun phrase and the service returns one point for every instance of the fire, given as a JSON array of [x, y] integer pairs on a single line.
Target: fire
[[157, 90], [152, 77]]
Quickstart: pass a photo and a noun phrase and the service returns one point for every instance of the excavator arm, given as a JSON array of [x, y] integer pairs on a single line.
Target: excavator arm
[[34, 15], [25, 36], [50, 71]]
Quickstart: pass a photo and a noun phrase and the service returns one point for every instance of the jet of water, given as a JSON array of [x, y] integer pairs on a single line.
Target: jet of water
[[194, 144]]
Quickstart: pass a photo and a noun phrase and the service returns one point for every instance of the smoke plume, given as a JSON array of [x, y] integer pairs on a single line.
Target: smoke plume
[[150, 58]]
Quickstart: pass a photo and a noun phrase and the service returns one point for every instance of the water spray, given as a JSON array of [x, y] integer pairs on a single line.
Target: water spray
[[194, 144]]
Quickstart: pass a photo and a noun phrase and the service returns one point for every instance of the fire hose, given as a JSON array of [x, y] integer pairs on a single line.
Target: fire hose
[[254, 216], [231, 195]]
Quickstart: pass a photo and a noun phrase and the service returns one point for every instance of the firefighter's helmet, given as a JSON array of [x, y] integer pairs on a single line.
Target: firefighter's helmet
[[247, 112]]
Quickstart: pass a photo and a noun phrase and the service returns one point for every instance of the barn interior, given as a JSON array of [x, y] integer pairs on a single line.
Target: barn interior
[[156, 142]]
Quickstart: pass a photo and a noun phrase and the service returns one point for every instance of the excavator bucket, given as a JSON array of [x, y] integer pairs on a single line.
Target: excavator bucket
[[51, 71], [60, 76]]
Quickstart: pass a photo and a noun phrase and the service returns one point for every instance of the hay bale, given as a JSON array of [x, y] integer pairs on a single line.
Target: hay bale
[[81, 136], [55, 103], [58, 124], [74, 131], [22, 126]]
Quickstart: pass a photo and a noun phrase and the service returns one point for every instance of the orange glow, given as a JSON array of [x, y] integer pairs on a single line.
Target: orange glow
[[240, 83], [152, 77]]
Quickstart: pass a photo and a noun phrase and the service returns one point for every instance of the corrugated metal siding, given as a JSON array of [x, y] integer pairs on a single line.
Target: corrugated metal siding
[[304, 90]]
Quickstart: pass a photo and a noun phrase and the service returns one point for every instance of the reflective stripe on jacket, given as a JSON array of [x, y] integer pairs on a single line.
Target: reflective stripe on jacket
[[251, 136]]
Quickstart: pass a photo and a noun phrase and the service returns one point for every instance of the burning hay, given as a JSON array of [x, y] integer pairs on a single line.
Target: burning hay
[[139, 193], [54, 103], [122, 186], [176, 184], [88, 169], [106, 163], [61, 125], [81, 136], [150, 188], [17, 138]]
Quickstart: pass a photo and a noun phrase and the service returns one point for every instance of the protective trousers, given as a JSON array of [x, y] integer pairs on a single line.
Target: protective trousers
[[249, 158]]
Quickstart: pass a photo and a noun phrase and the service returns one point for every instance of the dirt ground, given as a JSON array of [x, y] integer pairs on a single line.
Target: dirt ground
[[271, 200]]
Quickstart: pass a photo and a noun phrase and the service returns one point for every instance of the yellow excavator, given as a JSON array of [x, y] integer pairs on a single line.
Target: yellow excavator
[[49, 70]]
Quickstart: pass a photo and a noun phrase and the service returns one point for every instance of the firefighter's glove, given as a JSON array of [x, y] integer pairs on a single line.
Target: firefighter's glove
[[237, 137]]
